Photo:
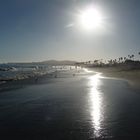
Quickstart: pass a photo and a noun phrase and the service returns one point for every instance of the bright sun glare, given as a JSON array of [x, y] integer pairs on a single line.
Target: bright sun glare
[[90, 18]]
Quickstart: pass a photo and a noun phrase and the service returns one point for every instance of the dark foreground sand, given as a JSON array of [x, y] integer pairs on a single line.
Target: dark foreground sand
[[131, 76], [74, 105]]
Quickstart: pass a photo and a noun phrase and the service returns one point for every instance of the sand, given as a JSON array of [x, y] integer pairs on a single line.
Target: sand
[[131, 76]]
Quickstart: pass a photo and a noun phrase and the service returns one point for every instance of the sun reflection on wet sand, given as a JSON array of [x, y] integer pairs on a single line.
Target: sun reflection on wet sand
[[95, 101]]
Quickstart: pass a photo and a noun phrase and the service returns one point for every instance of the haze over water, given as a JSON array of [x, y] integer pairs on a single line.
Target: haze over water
[[83, 107]]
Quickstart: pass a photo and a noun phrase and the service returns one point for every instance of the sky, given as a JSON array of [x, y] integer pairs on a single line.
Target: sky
[[38, 30]]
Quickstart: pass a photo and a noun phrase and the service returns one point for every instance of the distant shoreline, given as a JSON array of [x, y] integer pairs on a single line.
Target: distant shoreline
[[36, 79], [131, 76], [15, 84]]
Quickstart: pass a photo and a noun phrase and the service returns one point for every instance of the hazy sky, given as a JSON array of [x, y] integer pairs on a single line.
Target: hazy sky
[[36, 30]]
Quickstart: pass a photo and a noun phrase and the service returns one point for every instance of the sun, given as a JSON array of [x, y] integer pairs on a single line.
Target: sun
[[90, 18]]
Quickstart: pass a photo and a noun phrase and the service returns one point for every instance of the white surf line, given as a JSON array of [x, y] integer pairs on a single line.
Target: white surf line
[[100, 75], [91, 71]]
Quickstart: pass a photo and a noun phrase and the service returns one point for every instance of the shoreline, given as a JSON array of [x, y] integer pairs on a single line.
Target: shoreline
[[35, 80], [19, 83], [132, 77]]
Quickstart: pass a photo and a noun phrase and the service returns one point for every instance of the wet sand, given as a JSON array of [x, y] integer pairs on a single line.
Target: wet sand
[[131, 76], [69, 107]]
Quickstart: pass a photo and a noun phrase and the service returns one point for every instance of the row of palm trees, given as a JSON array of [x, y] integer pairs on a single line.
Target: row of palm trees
[[123, 59], [112, 61]]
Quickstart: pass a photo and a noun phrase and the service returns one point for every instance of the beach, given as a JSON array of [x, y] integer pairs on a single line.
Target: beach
[[77, 104], [131, 76]]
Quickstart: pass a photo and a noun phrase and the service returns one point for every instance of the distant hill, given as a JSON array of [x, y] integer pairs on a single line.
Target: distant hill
[[55, 62], [48, 62]]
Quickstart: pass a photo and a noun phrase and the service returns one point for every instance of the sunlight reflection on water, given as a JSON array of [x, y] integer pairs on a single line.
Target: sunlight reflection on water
[[95, 101]]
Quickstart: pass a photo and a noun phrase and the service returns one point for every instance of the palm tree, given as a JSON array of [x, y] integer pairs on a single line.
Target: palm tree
[[132, 56], [89, 62], [119, 60], [110, 61], [139, 53], [124, 59]]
